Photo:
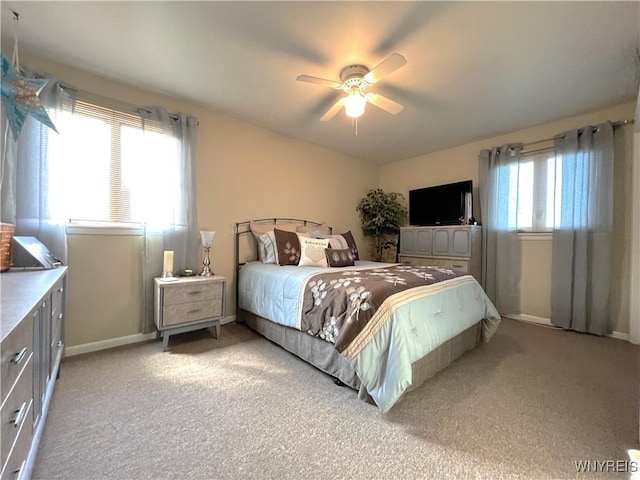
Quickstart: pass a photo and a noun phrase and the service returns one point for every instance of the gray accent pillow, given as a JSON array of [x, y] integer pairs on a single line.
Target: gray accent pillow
[[287, 247], [339, 257], [267, 248]]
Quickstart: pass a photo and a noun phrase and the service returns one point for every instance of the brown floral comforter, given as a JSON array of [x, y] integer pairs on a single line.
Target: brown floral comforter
[[338, 305]]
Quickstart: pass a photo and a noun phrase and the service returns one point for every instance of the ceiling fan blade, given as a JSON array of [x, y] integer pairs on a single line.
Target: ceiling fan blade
[[384, 103], [319, 81], [388, 65], [333, 110]]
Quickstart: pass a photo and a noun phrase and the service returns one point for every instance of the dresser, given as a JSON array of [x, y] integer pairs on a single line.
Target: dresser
[[188, 303], [31, 348], [457, 247]]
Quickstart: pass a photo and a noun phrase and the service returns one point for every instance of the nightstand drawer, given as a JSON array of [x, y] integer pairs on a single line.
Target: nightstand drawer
[[16, 410], [16, 350], [192, 292], [191, 312]]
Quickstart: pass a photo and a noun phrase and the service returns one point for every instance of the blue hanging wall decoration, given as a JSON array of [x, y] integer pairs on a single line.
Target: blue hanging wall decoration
[[20, 95]]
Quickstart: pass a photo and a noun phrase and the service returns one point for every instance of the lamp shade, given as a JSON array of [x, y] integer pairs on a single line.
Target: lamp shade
[[207, 238], [354, 103]]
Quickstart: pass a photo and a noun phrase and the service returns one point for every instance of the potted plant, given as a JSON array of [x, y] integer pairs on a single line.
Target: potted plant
[[382, 213]]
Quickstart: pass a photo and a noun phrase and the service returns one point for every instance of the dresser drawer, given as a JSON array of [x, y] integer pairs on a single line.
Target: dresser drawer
[[56, 328], [462, 265], [16, 409], [454, 264], [16, 349], [55, 351], [57, 294], [14, 466], [192, 292], [191, 312]]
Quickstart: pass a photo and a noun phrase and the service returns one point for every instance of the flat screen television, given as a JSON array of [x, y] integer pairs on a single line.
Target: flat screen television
[[441, 204]]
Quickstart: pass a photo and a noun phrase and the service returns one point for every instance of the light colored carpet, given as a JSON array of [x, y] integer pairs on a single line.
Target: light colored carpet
[[526, 405]]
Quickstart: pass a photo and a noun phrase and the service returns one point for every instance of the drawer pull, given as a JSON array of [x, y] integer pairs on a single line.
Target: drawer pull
[[19, 356], [195, 292], [190, 312], [59, 316], [21, 414], [19, 470], [61, 289]]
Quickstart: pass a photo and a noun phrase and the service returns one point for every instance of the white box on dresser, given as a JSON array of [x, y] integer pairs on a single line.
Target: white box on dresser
[[32, 346], [188, 303], [457, 247]]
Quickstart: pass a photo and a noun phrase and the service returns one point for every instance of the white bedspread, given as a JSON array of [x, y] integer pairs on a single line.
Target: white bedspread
[[404, 329], [274, 292]]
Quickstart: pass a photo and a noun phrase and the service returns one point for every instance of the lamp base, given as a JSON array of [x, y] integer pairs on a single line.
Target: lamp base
[[206, 271]]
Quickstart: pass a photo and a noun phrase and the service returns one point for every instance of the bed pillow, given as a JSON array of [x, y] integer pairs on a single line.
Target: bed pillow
[[287, 247], [267, 248], [335, 241], [323, 229], [259, 229], [352, 244], [312, 252], [339, 257]]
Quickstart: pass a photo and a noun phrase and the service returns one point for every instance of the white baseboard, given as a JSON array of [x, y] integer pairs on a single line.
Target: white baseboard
[[120, 341], [620, 335], [531, 319], [547, 323], [110, 343]]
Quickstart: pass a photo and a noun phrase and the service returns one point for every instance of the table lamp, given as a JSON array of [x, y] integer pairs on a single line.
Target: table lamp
[[207, 241]]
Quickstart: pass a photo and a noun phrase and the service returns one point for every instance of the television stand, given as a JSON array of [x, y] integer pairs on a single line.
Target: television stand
[[457, 247]]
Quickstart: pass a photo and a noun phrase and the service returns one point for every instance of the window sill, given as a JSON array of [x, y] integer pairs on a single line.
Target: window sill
[[91, 228], [535, 236]]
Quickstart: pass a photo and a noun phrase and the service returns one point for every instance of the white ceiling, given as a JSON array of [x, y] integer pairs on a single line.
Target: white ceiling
[[475, 69]]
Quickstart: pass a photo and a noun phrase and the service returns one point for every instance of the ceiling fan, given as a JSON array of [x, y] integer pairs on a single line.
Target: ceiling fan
[[354, 81]]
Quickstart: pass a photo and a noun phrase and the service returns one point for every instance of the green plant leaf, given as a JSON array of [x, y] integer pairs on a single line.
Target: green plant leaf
[[381, 215]]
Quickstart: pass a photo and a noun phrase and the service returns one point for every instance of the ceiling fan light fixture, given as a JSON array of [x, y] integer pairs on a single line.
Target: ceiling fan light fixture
[[354, 104]]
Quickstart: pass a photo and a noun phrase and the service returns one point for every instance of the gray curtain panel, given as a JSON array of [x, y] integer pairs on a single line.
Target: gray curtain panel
[[181, 235], [581, 270], [25, 182], [500, 245]]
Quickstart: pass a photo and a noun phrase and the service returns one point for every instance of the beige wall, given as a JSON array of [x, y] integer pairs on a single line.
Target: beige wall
[[104, 288], [460, 163], [248, 172], [243, 172]]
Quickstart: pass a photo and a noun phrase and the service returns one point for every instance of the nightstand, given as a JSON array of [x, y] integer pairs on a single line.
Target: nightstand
[[188, 303]]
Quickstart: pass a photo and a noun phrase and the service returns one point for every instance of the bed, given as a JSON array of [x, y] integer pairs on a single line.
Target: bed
[[379, 328]]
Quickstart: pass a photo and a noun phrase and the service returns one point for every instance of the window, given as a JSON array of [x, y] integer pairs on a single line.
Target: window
[[106, 167], [534, 198]]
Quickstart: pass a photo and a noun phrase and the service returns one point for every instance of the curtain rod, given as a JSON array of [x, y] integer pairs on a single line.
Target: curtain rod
[[618, 123], [112, 102]]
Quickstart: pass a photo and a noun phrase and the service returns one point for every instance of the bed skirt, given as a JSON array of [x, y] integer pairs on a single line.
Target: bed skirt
[[326, 358]]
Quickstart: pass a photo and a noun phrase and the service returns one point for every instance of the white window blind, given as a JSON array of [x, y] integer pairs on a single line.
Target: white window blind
[[534, 199], [107, 166]]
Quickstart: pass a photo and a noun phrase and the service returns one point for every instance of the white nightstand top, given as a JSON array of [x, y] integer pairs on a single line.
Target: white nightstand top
[[193, 279]]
